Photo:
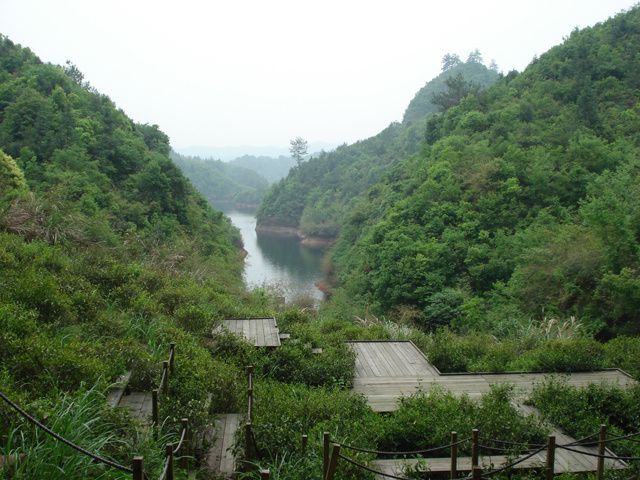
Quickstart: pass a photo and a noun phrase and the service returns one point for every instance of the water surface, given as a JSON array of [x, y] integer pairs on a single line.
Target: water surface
[[278, 261]]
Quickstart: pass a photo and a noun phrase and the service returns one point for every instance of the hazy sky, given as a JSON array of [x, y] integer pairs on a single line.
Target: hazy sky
[[262, 72]]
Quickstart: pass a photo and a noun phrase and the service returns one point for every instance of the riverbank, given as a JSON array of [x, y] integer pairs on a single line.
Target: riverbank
[[307, 240]]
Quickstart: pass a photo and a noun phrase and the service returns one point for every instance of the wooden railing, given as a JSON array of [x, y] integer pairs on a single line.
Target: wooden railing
[[332, 453]]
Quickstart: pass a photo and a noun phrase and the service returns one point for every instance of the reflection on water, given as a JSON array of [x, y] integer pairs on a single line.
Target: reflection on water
[[278, 260]]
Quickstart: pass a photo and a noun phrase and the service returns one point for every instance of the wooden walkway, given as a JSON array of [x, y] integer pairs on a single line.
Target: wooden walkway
[[220, 460], [263, 332], [565, 462], [138, 404], [388, 370]]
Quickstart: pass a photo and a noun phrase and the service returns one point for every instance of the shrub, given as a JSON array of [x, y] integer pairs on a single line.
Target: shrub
[[580, 411]]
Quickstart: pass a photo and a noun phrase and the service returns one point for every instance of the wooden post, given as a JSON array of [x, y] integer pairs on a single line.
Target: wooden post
[[248, 456], [165, 370], [477, 472], [250, 392], [265, 474], [138, 468], [154, 406], [602, 444], [474, 447], [184, 460], [169, 451], [305, 441], [172, 355], [333, 462], [454, 455], [551, 457], [326, 442]]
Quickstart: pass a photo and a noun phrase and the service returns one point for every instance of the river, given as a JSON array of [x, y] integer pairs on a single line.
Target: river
[[278, 261]]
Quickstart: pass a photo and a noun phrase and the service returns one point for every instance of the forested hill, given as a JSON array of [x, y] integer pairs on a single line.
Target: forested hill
[[223, 183], [317, 196], [524, 203]]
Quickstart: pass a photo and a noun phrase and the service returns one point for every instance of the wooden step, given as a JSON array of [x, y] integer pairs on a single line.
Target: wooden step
[[219, 458]]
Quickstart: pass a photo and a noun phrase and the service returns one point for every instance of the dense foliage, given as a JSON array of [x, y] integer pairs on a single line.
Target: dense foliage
[[517, 210], [522, 204], [223, 183], [317, 196], [271, 168]]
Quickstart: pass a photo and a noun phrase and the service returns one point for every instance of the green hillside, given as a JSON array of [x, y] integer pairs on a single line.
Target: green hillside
[[223, 182], [317, 196], [501, 234], [107, 254], [522, 204]]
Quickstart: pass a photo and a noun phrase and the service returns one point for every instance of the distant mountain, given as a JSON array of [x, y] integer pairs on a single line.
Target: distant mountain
[[271, 168], [228, 153], [222, 183]]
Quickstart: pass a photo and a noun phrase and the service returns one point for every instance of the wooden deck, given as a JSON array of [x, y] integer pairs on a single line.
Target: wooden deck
[[386, 371], [263, 332], [219, 459]]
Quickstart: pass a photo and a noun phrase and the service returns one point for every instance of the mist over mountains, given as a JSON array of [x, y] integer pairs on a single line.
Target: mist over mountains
[[228, 153]]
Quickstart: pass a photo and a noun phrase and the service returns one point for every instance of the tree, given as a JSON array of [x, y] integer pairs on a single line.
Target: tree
[[298, 149], [450, 60], [457, 89], [475, 57]]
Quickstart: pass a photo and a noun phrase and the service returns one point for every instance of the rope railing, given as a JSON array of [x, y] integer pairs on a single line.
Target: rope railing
[[411, 452], [137, 468], [380, 473], [599, 455], [95, 457], [517, 444], [332, 454], [369, 469], [630, 437], [514, 463]]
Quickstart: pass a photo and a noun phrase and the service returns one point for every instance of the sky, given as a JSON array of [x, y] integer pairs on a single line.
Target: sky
[[258, 73]]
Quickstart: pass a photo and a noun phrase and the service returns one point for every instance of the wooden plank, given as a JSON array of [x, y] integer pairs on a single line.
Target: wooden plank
[[365, 368], [380, 359], [410, 365], [228, 461]]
